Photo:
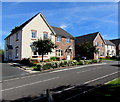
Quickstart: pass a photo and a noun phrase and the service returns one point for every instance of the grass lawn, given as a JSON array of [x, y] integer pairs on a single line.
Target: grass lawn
[[109, 92], [109, 59]]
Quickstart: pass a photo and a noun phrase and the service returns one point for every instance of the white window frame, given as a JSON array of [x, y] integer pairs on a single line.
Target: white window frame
[[59, 52], [68, 40], [101, 44], [59, 38], [34, 36], [44, 36], [16, 52], [102, 53], [17, 36], [96, 44]]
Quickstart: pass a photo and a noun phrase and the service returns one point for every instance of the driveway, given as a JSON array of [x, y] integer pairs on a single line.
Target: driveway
[[9, 71]]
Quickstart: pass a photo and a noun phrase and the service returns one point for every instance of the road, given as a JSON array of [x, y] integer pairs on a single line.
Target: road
[[36, 84], [9, 72]]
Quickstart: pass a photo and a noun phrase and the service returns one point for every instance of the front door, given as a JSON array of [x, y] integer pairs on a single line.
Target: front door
[[96, 55], [68, 55]]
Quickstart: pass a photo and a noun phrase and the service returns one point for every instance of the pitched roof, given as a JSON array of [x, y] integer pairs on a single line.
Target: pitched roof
[[86, 38], [24, 24], [108, 42], [116, 41], [61, 32]]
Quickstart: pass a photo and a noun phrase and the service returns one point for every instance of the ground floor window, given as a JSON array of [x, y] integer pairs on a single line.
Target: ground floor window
[[59, 52], [16, 51], [101, 53], [35, 53]]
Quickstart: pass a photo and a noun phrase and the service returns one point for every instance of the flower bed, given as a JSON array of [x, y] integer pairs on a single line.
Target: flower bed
[[63, 63]]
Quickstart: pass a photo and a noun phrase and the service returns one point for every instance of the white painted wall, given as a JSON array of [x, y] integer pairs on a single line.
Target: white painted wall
[[110, 48], [14, 44], [36, 24]]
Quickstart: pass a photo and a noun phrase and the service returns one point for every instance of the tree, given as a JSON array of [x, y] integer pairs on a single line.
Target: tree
[[1, 51], [86, 50], [44, 46]]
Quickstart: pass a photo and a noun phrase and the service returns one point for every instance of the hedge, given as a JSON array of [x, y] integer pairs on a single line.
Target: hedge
[[63, 63]]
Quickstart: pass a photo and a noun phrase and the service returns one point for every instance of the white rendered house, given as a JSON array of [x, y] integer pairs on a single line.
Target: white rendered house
[[110, 48]]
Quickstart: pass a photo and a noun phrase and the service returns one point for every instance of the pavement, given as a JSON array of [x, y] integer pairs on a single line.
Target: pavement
[[36, 84]]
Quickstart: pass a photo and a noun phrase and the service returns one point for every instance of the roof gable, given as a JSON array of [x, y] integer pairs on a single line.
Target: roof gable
[[86, 38], [24, 24]]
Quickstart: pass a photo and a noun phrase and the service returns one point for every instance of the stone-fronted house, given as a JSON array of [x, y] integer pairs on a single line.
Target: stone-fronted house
[[94, 39], [18, 43], [110, 48], [117, 43]]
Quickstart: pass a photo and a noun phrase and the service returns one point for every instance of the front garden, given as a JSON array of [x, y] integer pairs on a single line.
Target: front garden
[[54, 63]]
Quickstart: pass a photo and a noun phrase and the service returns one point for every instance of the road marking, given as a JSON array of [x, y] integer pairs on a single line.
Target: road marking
[[87, 70], [56, 71], [100, 78], [30, 84]]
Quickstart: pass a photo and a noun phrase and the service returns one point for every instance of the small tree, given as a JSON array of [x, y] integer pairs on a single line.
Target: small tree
[[87, 50], [44, 46]]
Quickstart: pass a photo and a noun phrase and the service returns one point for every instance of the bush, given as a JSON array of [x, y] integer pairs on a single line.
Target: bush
[[63, 63], [25, 61], [108, 57], [54, 58], [77, 58]]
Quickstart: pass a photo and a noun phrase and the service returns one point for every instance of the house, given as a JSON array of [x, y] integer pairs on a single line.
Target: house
[[117, 43], [110, 48], [18, 44], [94, 39], [65, 44]]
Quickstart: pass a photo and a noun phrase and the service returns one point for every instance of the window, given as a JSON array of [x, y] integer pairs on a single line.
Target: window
[[45, 35], [59, 38], [17, 37], [68, 40], [102, 54], [101, 44], [35, 53], [96, 43], [16, 51], [34, 34], [59, 52]]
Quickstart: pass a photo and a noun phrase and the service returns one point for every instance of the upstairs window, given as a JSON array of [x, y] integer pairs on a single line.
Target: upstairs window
[[45, 35], [59, 38], [96, 44], [101, 44], [17, 37], [68, 40], [34, 34]]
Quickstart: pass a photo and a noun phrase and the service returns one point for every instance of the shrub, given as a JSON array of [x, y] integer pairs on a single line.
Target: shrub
[[108, 57], [25, 61], [77, 58], [63, 63], [54, 58]]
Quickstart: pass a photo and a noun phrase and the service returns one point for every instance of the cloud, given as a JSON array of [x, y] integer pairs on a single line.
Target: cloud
[[63, 26]]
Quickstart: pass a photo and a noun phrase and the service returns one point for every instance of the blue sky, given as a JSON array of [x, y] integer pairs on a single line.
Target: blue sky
[[78, 18]]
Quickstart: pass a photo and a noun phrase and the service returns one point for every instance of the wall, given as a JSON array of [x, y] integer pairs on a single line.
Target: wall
[[14, 43], [64, 45], [102, 49], [36, 24], [111, 48]]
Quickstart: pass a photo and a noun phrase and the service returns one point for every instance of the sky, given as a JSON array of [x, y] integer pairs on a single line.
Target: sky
[[77, 18]]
